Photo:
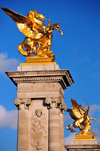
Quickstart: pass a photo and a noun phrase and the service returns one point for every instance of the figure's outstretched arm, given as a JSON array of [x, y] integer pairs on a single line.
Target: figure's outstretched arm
[[48, 22], [92, 118], [86, 112]]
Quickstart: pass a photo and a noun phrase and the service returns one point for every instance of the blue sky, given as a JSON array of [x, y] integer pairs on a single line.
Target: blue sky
[[77, 50]]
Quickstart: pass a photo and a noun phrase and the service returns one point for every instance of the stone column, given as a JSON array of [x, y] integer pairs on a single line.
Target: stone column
[[63, 108], [54, 128], [62, 131], [23, 123]]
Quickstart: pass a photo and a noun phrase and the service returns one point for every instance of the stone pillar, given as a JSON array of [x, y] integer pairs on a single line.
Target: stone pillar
[[23, 123], [62, 131], [54, 129], [54, 125], [40, 106]]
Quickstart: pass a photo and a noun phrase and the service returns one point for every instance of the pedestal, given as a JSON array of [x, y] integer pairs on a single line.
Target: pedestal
[[83, 145], [40, 90]]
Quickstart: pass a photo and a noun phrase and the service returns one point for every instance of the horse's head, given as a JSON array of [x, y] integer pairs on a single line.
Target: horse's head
[[38, 15], [34, 14]]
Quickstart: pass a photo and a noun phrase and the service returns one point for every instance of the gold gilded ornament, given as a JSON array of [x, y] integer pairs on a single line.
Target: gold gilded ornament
[[38, 36], [81, 121]]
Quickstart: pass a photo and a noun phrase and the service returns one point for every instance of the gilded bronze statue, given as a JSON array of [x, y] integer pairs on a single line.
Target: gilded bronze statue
[[81, 119], [38, 35]]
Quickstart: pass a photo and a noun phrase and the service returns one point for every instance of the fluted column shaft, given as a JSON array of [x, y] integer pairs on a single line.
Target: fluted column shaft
[[23, 141], [62, 131], [54, 129], [23, 123]]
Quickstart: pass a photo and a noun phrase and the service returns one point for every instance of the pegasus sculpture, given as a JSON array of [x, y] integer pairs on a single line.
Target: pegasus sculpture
[[81, 119], [38, 35]]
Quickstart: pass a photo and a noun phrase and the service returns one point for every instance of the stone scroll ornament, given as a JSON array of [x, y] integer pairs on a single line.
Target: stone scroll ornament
[[38, 36], [81, 119]]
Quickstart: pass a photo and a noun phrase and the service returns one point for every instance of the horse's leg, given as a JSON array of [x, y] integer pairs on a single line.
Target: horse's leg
[[69, 128], [77, 123], [58, 30], [21, 48], [56, 25], [50, 28]]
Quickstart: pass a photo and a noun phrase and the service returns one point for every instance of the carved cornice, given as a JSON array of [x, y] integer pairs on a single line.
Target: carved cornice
[[61, 76], [19, 101]]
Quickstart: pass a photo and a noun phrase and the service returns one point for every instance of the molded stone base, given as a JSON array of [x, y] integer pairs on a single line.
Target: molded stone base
[[82, 147], [84, 142], [38, 67]]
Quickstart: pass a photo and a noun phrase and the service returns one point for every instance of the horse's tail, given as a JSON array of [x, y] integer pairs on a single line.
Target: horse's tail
[[22, 51]]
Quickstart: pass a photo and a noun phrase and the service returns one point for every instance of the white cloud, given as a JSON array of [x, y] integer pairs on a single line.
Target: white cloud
[[8, 118], [67, 118], [97, 132], [98, 139], [94, 108], [68, 139], [6, 64]]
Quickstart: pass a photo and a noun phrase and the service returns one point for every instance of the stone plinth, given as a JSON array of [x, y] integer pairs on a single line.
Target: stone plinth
[[81, 142], [82, 147], [40, 105], [84, 139], [38, 67]]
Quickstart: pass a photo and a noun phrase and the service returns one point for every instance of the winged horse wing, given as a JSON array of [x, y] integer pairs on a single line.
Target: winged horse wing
[[77, 111], [24, 24]]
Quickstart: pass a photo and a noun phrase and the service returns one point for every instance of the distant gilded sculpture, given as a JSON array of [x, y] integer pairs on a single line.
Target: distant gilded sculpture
[[81, 119], [38, 35]]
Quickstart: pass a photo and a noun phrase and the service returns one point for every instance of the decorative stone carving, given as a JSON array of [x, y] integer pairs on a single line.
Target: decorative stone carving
[[20, 101], [38, 134], [38, 112], [63, 107], [30, 79], [58, 103], [39, 87]]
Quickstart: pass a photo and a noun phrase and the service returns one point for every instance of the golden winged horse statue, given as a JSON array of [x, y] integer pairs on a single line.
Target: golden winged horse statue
[[38, 35], [81, 118]]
